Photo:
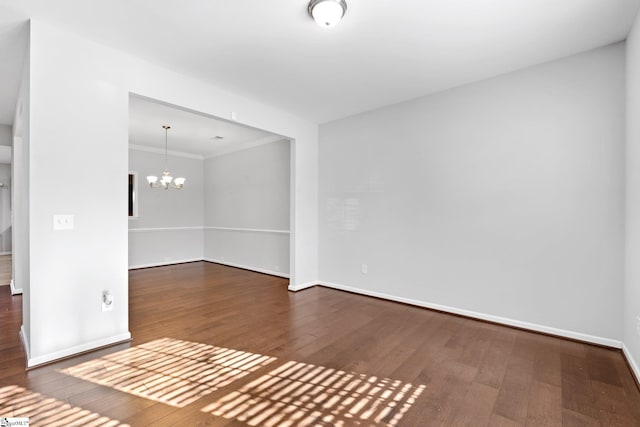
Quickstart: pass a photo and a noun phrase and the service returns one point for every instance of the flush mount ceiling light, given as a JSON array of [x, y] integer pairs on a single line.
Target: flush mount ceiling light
[[327, 13], [166, 180]]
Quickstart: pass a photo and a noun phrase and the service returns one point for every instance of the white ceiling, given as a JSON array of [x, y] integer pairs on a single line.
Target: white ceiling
[[383, 52], [190, 133]]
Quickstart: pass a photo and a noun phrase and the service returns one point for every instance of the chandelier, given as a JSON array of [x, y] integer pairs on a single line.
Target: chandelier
[[167, 180]]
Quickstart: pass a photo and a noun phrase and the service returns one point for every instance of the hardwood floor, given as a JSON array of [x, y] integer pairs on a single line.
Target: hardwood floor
[[215, 345]]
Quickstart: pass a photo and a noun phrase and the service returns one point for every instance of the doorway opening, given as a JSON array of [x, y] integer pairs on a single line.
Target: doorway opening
[[235, 206]]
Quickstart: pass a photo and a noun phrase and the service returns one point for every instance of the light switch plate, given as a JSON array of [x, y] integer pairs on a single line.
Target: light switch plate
[[63, 222]]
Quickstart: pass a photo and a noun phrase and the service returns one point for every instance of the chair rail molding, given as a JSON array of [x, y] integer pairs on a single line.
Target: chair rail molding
[[151, 229], [248, 230]]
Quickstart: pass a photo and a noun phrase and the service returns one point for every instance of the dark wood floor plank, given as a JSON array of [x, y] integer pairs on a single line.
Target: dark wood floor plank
[[575, 419], [476, 408], [602, 367], [513, 398], [547, 367], [494, 362], [545, 405], [447, 384], [577, 394], [611, 405], [500, 421], [331, 355], [629, 386]]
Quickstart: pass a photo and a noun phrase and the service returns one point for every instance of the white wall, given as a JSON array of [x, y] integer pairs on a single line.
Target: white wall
[[169, 226], [631, 321], [72, 77], [5, 209], [6, 135], [501, 199], [247, 208]]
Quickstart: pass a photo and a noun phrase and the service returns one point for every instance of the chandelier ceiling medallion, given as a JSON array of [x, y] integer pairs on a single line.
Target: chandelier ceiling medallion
[[167, 180], [327, 13]]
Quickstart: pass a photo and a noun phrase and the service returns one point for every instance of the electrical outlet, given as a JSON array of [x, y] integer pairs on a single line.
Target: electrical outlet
[[365, 268], [63, 222], [107, 301]]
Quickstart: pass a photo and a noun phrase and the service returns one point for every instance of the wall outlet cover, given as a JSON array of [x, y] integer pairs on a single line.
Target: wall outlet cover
[[107, 301]]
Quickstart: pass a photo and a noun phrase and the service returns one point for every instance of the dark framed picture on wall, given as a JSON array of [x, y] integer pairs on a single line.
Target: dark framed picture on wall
[[133, 195]]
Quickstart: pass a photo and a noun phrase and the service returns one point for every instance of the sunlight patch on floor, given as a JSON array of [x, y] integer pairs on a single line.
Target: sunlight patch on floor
[[301, 394], [18, 402], [170, 371]]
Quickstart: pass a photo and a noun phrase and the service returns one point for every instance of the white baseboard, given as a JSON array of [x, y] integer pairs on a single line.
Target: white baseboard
[[248, 267], [632, 362], [32, 362], [482, 316], [301, 286], [160, 264], [14, 290]]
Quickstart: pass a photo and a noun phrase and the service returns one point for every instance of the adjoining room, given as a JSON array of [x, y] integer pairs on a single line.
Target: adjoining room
[[234, 206]]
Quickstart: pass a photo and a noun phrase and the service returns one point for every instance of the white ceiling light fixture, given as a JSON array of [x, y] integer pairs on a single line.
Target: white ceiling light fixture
[[167, 180], [327, 13]]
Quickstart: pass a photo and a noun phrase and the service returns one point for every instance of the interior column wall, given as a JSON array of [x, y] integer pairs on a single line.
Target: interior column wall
[[74, 77], [79, 131], [631, 319]]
